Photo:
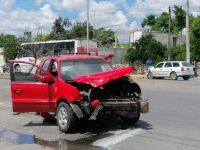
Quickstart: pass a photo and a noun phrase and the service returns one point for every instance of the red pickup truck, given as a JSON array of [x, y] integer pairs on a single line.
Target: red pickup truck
[[72, 87]]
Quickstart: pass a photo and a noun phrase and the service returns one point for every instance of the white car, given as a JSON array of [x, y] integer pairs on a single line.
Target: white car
[[172, 69]]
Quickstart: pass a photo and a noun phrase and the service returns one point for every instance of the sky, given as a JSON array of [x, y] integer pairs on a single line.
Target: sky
[[37, 16]]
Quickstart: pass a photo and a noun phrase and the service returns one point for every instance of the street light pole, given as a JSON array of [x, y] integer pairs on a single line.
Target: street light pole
[[169, 32], [187, 33], [87, 26]]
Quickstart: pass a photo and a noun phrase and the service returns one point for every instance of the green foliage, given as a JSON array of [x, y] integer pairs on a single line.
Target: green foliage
[[79, 30], [149, 21], [178, 52], [144, 48], [178, 22], [105, 38], [11, 47], [195, 38], [41, 37], [58, 29], [161, 23], [2, 40]]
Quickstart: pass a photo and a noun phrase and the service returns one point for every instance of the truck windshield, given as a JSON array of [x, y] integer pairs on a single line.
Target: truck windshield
[[76, 68]]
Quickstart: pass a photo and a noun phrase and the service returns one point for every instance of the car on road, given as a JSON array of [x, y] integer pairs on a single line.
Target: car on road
[[76, 87], [171, 69]]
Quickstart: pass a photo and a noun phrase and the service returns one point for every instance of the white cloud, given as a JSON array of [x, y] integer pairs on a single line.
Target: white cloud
[[133, 25], [19, 20]]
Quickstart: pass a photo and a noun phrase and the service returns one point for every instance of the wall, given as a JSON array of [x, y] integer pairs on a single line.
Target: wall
[[118, 55], [175, 39]]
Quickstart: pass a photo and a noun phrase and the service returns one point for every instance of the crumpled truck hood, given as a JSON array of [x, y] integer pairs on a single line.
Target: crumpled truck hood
[[101, 78]]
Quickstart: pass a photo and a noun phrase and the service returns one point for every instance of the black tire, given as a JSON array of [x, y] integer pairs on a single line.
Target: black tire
[[17, 68], [66, 119], [173, 76], [150, 75], [4, 71], [128, 120], [185, 78]]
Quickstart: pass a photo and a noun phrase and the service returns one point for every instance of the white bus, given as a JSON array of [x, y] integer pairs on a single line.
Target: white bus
[[28, 50]]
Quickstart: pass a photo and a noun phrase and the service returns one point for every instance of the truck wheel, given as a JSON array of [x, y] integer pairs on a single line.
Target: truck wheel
[[17, 68], [66, 119], [173, 76], [186, 78]]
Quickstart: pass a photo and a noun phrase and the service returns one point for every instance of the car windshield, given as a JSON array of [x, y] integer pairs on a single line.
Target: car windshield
[[80, 67]]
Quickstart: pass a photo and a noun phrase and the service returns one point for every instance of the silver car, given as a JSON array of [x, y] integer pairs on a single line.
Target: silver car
[[172, 69]]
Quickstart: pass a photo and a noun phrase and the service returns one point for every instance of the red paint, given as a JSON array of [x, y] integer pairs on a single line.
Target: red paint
[[95, 103]]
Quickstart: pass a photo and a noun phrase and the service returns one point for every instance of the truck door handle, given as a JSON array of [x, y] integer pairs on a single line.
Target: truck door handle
[[17, 90]]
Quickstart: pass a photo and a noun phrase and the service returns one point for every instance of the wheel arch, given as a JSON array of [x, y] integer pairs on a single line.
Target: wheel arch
[[76, 109], [17, 64], [62, 100]]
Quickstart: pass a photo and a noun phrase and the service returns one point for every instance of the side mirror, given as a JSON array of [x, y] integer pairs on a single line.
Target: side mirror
[[46, 79]]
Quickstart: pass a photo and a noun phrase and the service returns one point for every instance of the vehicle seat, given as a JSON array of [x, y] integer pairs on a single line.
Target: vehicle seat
[[53, 70]]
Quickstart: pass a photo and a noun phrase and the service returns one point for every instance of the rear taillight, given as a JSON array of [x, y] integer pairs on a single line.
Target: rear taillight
[[182, 69]]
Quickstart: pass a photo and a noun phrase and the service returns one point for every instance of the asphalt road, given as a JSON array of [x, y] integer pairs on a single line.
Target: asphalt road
[[172, 123]]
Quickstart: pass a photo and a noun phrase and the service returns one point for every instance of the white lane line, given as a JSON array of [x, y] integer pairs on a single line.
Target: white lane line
[[118, 137], [5, 106]]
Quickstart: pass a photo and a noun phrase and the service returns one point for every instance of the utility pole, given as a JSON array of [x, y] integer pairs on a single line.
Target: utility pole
[[187, 33], [115, 39], [94, 27], [169, 32], [87, 26]]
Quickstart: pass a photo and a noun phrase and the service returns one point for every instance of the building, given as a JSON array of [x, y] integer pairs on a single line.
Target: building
[[175, 39]]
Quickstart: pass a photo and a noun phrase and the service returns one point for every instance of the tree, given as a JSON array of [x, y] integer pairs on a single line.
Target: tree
[[41, 37], [178, 52], [149, 21], [161, 23], [178, 22], [146, 47], [11, 47], [79, 30], [195, 38], [105, 38], [2, 39], [58, 29]]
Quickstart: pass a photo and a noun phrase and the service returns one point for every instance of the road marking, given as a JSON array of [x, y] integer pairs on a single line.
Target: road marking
[[2, 103], [118, 137]]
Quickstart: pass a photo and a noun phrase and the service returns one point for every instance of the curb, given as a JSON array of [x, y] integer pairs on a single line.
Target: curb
[[139, 76]]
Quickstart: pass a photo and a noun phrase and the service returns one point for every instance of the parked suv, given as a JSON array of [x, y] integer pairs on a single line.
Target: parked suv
[[172, 69], [72, 87]]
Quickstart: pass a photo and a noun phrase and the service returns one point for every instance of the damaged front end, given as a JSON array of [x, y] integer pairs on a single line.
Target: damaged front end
[[117, 97]]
